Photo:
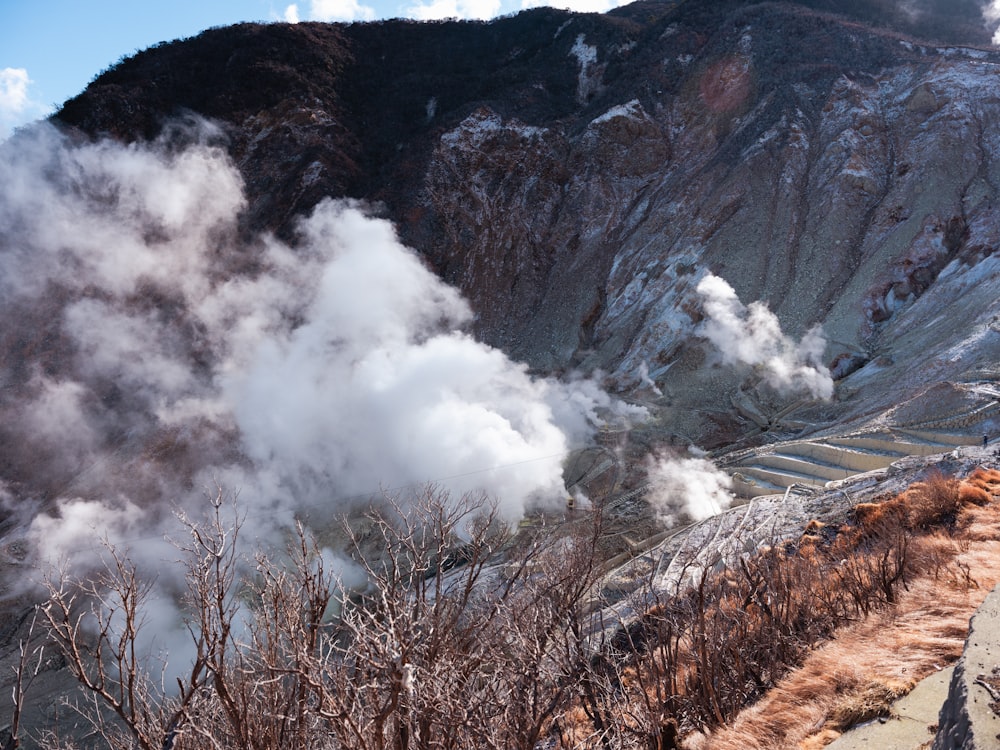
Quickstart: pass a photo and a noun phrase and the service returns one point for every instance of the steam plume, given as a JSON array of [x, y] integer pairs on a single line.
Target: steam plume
[[751, 334], [686, 489], [147, 354]]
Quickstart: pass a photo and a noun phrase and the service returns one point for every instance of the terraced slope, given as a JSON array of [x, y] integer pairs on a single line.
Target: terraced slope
[[816, 462]]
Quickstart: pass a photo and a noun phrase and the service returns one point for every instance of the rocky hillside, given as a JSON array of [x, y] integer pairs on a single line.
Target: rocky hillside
[[576, 176]]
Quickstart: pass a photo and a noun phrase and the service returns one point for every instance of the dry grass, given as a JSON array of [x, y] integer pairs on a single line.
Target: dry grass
[[979, 487], [931, 503], [970, 494], [866, 702], [855, 675], [893, 648], [987, 479], [873, 515]]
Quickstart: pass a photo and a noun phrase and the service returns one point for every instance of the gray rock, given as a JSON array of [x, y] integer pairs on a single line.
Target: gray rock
[[968, 718]]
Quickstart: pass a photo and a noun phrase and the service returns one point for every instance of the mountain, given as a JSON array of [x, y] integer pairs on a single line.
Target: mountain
[[576, 175], [764, 229]]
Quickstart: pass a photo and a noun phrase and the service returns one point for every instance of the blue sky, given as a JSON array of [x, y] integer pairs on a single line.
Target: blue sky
[[50, 51]]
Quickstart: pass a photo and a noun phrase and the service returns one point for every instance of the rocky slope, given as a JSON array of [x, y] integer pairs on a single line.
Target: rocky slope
[[576, 176]]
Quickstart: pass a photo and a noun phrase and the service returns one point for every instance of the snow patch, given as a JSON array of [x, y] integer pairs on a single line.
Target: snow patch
[[312, 174], [859, 172], [664, 297], [481, 126], [590, 73], [585, 54], [972, 54], [631, 110]]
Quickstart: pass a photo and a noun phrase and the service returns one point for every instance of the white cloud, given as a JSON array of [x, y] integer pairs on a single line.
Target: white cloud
[[16, 105], [465, 9], [13, 90], [176, 356], [291, 14], [377, 385], [579, 6], [335, 10], [79, 525], [151, 354]]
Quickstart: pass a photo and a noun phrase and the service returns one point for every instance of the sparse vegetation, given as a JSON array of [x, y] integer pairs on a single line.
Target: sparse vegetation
[[443, 648], [896, 646], [446, 647]]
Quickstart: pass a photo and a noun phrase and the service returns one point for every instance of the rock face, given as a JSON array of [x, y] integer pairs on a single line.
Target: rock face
[[577, 175], [969, 718]]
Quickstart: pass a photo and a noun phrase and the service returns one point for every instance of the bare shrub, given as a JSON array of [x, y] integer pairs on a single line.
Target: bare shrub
[[699, 655], [702, 653], [95, 623], [469, 636], [932, 502], [31, 657], [923, 628], [460, 638], [478, 656]]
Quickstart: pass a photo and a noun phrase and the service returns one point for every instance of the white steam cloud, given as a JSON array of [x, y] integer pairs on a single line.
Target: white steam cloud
[[991, 14], [751, 334], [686, 489], [148, 355]]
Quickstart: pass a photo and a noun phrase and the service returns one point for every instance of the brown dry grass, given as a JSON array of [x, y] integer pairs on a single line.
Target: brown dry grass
[[931, 503], [987, 479], [970, 494], [867, 701], [868, 664]]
